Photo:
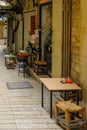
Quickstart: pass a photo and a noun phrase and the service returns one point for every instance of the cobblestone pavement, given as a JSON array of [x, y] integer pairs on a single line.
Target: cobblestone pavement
[[20, 109]]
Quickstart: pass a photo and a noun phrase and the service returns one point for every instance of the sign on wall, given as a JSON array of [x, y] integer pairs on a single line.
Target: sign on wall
[[33, 24]]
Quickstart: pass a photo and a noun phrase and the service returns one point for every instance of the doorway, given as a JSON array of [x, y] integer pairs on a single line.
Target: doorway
[[46, 34]]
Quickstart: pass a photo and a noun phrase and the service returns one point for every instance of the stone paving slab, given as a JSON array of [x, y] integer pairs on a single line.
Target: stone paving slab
[[21, 109]]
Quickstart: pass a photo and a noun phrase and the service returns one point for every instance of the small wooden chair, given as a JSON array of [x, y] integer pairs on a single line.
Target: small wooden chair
[[71, 115], [10, 64], [40, 66]]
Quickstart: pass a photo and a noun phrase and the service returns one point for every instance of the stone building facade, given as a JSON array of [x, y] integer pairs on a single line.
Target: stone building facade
[[78, 45], [75, 41]]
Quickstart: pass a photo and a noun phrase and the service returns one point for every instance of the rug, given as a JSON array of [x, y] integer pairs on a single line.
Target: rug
[[18, 85]]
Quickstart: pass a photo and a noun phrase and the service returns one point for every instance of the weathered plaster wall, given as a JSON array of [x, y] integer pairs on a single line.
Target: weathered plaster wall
[[57, 38], [79, 45], [1, 30], [75, 41], [28, 12], [28, 5], [27, 28], [18, 35], [78, 41], [84, 48]]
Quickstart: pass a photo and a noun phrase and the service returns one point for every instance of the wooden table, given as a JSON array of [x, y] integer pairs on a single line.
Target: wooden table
[[55, 85]]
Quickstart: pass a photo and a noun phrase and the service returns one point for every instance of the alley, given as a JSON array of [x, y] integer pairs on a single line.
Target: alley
[[20, 109]]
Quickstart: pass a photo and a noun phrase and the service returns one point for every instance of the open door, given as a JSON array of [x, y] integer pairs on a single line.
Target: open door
[[46, 33]]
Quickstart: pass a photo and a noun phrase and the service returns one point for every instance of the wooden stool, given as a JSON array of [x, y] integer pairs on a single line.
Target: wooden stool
[[71, 116], [10, 64], [40, 66]]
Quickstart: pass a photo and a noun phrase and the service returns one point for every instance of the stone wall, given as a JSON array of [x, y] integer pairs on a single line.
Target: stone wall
[[78, 42], [79, 45], [83, 52], [75, 41], [1, 30], [28, 5], [18, 34], [57, 38]]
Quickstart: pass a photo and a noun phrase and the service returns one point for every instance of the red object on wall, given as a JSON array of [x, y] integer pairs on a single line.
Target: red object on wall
[[33, 24], [43, 1]]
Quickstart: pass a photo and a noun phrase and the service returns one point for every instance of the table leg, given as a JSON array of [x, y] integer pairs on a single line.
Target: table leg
[[65, 97], [42, 102], [50, 104], [77, 97], [5, 61], [77, 101]]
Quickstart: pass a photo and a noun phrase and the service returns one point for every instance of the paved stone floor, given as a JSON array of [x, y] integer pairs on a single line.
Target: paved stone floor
[[20, 109]]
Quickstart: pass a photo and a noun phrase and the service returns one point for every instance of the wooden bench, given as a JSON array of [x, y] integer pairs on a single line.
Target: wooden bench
[[40, 67], [69, 115]]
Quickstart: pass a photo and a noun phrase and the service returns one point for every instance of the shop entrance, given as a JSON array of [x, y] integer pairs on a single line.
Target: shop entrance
[[46, 34]]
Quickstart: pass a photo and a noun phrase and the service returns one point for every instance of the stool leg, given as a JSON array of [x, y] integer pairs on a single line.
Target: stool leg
[[24, 72], [83, 112], [56, 112], [37, 68], [67, 118], [18, 71]]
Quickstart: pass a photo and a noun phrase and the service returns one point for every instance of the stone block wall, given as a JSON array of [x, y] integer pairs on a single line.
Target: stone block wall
[[57, 38], [78, 42], [79, 45], [75, 41], [1, 30], [83, 61]]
